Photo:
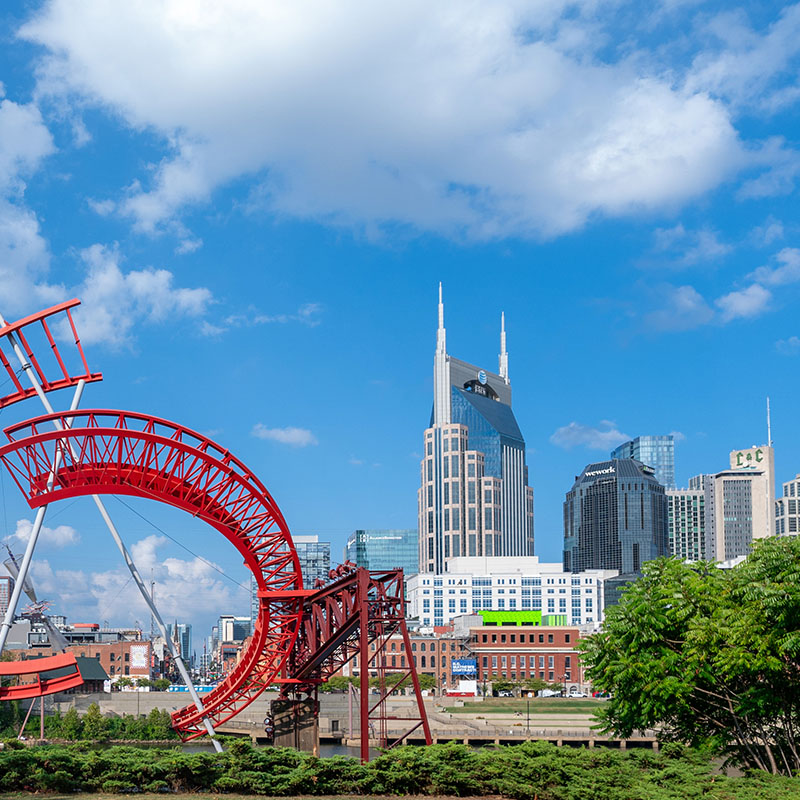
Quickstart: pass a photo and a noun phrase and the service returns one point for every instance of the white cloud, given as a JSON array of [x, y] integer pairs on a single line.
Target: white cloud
[[60, 536], [24, 143], [787, 272], [487, 118], [788, 347], [749, 302], [184, 588], [769, 232], [606, 437], [678, 436], [296, 437], [113, 301], [690, 247], [747, 64], [682, 308]]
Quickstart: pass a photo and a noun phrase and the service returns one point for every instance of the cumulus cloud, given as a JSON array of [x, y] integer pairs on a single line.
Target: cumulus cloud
[[788, 347], [605, 437], [690, 247], [60, 536], [184, 588], [683, 308], [113, 300], [747, 66], [487, 119], [788, 270], [295, 437], [749, 302]]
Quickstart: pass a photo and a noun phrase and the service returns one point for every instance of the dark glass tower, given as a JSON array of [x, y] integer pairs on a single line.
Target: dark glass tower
[[615, 517]]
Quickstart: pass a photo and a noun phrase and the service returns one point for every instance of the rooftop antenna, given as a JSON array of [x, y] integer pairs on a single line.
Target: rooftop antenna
[[769, 426], [503, 351]]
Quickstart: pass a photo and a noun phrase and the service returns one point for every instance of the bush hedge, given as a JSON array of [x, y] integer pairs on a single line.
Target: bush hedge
[[529, 771]]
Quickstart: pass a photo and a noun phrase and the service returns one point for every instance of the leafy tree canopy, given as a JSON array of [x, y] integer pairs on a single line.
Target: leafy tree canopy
[[708, 656]]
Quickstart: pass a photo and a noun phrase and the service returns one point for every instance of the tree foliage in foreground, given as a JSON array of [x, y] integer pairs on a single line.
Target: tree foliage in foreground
[[708, 656], [530, 771]]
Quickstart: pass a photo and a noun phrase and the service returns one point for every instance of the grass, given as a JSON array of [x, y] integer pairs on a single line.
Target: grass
[[538, 705]]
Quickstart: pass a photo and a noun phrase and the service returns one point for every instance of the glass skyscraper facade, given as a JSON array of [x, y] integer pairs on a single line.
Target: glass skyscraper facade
[[687, 523], [657, 452], [384, 549], [615, 517], [474, 498]]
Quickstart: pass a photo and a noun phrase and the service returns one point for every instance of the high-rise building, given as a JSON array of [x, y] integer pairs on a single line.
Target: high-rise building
[[6, 588], [657, 452], [787, 513], [474, 498], [384, 549], [615, 517], [315, 562], [686, 515], [315, 559], [740, 503], [181, 634]]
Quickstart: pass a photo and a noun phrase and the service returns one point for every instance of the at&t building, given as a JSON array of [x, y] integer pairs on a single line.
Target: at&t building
[[474, 498]]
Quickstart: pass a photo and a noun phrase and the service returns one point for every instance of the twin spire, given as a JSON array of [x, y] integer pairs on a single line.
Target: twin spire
[[441, 344]]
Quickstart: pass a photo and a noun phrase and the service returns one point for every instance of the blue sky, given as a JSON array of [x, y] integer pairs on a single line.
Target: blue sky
[[256, 202]]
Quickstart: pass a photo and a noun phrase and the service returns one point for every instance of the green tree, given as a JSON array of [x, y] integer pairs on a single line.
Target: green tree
[[159, 725], [403, 680], [708, 656], [501, 684], [71, 725], [339, 683], [124, 681], [95, 725], [161, 684], [534, 684]]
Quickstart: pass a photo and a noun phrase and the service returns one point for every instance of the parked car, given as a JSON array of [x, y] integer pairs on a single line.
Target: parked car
[[505, 693], [577, 693]]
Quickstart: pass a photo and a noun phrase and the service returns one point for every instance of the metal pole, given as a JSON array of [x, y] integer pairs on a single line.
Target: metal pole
[[363, 635], [41, 718], [25, 364]]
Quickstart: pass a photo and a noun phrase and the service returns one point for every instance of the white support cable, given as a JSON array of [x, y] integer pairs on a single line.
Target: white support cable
[[176, 656]]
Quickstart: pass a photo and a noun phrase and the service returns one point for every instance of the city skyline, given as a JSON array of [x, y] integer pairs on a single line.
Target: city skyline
[[266, 273]]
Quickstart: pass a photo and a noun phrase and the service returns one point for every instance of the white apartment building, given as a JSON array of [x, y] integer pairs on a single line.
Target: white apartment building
[[787, 509], [497, 583], [686, 519]]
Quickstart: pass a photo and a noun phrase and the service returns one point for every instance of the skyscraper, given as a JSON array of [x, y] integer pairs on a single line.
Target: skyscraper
[[657, 452], [787, 513], [615, 517], [6, 588], [740, 503], [474, 498], [687, 523]]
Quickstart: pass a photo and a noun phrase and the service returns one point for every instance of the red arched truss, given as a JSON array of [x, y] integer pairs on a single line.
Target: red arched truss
[[119, 452]]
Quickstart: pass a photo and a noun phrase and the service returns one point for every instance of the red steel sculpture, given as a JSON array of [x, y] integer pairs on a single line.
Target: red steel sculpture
[[300, 637]]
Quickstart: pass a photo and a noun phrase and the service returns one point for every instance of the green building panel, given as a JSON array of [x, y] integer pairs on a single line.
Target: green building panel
[[511, 617]]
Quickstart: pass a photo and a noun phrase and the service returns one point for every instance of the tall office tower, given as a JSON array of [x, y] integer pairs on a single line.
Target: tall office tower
[[740, 503], [686, 515], [181, 635], [6, 588], [615, 517], [787, 514], [315, 562], [315, 559], [657, 452], [384, 549], [474, 498]]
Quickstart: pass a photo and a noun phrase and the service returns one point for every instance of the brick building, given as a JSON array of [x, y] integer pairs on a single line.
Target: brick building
[[116, 658], [518, 653]]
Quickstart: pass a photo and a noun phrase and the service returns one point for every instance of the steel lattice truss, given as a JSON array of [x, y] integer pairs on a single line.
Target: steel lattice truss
[[98, 452], [356, 616]]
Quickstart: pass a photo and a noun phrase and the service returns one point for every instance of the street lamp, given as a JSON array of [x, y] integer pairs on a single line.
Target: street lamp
[[566, 676]]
